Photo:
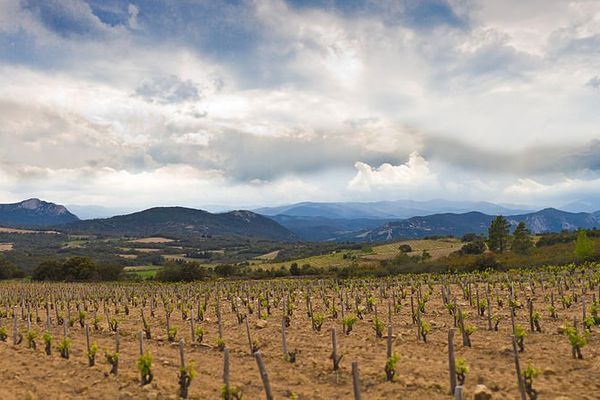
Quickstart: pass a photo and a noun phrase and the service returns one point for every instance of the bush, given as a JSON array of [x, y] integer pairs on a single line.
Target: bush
[[472, 237], [8, 270], [76, 269], [477, 247], [405, 248], [181, 271]]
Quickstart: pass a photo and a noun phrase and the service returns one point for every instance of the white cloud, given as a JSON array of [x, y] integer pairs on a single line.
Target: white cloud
[[133, 14], [415, 172]]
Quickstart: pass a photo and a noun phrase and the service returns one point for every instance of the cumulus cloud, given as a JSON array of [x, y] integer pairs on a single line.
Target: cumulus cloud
[[415, 172]]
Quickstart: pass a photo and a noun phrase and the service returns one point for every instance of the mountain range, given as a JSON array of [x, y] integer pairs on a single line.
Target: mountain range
[[166, 221], [375, 222], [396, 209], [183, 222], [546, 220]]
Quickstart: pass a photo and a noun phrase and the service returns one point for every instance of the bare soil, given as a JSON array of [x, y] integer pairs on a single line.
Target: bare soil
[[422, 369]]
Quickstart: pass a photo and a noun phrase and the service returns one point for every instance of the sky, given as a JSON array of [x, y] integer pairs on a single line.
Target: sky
[[246, 103]]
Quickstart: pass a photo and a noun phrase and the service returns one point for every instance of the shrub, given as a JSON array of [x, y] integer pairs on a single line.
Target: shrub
[[390, 367], [233, 393], [199, 334], [348, 322], [172, 334], [63, 348], [378, 326], [477, 247], [92, 354], [317, 321], [528, 376], [405, 248], [113, 360], [144, 364], [577, 340], [186, 376], [48, 342], [31, 336], [425, 329], [462, 369], [520, 337]]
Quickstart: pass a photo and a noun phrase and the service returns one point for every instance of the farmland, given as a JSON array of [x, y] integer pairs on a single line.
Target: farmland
[[246, 316]]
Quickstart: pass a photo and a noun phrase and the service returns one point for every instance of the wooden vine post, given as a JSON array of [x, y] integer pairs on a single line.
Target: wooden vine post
[[334, 355], [518, 369], [356, 381], [263, 375], [451, 360], [226, 374], [185, 376]]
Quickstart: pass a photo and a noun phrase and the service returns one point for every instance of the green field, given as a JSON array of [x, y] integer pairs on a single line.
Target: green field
[[142, 271], [436, 248]]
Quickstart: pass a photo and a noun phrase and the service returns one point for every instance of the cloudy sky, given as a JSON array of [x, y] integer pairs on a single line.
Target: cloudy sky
[[239, 103]]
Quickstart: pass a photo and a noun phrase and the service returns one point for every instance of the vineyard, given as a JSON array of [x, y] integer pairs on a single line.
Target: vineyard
[[521, 334]]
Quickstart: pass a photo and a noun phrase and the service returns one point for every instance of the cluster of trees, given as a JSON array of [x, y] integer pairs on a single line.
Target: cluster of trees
[[521, 243], [76, 269], [186, 271], [177, 271], [499, 239], [8, 270], [552, 238]]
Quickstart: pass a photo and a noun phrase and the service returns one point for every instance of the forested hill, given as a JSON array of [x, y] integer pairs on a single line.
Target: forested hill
[[181, 222]]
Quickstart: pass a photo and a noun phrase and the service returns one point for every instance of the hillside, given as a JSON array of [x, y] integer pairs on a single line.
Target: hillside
[[184, 222], [34, 213], [547, 220], [326, 229]]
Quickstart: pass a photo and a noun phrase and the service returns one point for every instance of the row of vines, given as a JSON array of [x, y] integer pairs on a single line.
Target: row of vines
[[300, 338]]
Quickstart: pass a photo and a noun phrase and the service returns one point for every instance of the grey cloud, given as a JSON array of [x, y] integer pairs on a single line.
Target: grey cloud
[[594, 82], [42, 138], [244, 157], [537, 160], [168, 89], [67, 17]]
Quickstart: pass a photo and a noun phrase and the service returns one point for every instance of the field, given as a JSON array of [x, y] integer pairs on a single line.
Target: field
[[436, 248], [431, 304], [23, 231], [6, 246]]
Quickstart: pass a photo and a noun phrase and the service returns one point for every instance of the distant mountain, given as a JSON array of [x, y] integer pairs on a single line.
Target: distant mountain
[[586, 205], [546, 220], [397, 209], [34, 213], [92, 212], [183, 222], [325, 229]]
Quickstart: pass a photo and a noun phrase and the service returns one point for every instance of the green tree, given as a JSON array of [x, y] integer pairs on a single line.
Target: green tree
[[498, 234], [294, 269], [584, 246], [522, 242], [8, 269]]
